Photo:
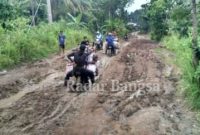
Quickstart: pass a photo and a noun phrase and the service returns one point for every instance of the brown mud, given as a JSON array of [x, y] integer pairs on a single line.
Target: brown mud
[[137, 96]]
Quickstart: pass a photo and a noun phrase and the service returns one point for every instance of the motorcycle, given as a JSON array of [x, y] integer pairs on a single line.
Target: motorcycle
[[98, 44], [126, 38], [75, 81], [110, 50]]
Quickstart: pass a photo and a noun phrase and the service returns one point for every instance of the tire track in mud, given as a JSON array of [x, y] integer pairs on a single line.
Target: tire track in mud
[[37, 117], [56, 114], [52, 110], [140, 110], [76, 102]]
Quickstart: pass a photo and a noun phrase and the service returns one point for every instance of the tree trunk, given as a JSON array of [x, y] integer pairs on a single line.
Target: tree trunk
[[194, 33], [33, 11], [50, 19]]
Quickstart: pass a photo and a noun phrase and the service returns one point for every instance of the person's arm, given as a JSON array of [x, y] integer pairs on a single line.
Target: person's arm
[[106, 39], [59, 38], [70, 55]]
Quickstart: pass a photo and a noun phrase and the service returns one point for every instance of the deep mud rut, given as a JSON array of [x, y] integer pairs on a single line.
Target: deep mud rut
[[137, 96]]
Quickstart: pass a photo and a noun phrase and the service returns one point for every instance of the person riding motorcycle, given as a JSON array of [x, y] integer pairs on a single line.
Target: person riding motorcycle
[[85, 41], [93, 64], [80, 62], [115, 40], [99, 40], [110, 43]]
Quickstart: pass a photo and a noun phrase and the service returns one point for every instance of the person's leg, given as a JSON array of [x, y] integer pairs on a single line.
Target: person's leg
[[60, 49], [101, 43], [85, 74], [90, 74], [67, 77], [84, 77], [105, 47], [63, 50], [113, 50]]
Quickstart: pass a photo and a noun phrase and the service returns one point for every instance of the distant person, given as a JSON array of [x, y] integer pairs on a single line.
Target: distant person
[[85, 41], [126, 37], [99, 38], [61, 40]]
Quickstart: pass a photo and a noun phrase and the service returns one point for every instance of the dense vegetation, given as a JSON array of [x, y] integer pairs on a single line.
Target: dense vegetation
[[26, 35], [174, 22]]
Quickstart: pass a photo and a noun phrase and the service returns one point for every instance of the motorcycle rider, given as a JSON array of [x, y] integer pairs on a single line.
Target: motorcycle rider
[[99, 39], [79, 70], [85, 41], [110, 43], [116, 40]]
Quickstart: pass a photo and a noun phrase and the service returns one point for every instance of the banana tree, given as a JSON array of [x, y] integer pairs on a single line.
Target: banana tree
[[114, 25], [76, 22]]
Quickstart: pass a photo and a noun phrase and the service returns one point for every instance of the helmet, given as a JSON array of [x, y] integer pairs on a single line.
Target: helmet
[[97, 32], [82, 48], [109, 33]]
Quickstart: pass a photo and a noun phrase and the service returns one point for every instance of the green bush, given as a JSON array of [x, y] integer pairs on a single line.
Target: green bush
[[5, 61], [23, 45], [189, 80]]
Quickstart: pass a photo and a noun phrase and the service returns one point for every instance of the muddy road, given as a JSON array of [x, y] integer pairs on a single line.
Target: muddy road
[[136, 95]]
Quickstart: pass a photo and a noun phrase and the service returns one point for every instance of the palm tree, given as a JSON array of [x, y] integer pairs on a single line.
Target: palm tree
[[78, 5], [60, 8]]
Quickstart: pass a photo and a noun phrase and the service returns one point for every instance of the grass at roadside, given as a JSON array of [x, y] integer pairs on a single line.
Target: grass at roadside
[[183, 59], [22, 45]]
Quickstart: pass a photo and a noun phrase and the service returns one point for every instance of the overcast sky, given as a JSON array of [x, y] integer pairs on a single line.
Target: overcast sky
[[137, 5]]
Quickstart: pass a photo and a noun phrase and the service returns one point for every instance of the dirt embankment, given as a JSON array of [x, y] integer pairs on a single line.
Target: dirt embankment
[[136, 95]]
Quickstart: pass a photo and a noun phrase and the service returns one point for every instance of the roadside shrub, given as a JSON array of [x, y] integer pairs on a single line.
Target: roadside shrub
[[190, 77], [23, 45]]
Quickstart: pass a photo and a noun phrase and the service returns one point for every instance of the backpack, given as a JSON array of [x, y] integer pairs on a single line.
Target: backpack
[[80, 59]]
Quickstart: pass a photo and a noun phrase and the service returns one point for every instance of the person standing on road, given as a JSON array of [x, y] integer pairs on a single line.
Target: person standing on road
[[61, 40]]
